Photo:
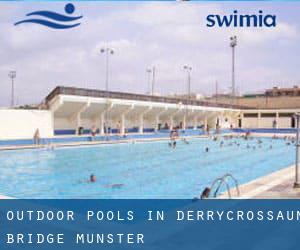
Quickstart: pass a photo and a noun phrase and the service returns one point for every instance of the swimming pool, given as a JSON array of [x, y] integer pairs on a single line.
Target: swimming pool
[[147, 170]]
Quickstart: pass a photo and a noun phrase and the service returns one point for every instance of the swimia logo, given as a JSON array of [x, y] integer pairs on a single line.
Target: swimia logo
[[52, 19], [242, 20]]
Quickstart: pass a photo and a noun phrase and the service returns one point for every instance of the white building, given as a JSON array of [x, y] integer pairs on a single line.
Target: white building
[[70, 109], [74, 108]]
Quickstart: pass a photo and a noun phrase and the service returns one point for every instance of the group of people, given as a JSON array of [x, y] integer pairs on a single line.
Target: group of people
[[106, 130], [174, 135]]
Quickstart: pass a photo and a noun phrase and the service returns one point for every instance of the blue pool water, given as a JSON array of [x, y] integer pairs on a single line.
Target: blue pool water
[[147, 170]]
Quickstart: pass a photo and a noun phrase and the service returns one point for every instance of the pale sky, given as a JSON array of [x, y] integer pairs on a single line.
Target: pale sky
[[167, 35]]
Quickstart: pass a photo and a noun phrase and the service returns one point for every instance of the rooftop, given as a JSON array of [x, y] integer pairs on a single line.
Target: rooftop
[[60, 90]]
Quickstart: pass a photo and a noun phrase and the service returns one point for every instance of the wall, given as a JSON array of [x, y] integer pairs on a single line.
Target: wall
[[64, 123], [282, 102], [266, 122], [22, 124], [284, 122], [250, 122]]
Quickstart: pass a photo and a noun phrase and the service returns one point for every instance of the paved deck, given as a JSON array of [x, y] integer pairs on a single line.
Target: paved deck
[[278, 185]]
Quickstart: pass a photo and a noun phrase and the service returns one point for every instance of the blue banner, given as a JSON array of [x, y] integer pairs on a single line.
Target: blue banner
[[149, 224]]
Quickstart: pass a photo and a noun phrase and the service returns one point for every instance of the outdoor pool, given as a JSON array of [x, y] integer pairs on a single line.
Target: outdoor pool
[[146, 170]]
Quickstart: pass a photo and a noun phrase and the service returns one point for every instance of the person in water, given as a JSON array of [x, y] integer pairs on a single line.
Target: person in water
[[93, 178], [205, 193], [207, 149], [185, 141]]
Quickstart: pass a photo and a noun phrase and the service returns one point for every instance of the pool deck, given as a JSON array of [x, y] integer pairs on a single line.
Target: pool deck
[[277, 185], [131, 140], [98, 142]]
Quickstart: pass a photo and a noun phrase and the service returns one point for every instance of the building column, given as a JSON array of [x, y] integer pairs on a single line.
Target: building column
[[195, 122], [142, 118], [205, 123], [171, 122], [101, 128], [258, 119], [242, 119], [157, 118], [156, 122], [123, 120], [184, 122], [277, 119], [77, 116], [78, 122], [141, 124]]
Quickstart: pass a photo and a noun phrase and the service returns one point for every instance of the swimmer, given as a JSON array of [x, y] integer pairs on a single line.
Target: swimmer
[[270, 147], [92, 178], [185, 141], [174, 144], [248, 146], [207, 149], [117, 185]]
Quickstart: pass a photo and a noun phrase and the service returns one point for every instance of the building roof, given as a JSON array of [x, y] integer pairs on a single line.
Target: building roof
[[60, 90]]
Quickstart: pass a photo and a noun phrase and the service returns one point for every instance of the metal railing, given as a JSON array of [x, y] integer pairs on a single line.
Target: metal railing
[[220, 181], [130, 96]]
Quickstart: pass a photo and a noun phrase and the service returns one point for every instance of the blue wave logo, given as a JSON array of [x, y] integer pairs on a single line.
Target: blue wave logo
[[55, 20]]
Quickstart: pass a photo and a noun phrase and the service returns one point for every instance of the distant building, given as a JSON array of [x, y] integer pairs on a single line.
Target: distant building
[[274, 92]]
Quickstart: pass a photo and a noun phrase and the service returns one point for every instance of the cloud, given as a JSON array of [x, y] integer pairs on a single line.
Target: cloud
[[165, 35]]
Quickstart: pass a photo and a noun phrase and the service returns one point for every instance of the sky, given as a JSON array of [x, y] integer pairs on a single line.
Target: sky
[[144, 34]]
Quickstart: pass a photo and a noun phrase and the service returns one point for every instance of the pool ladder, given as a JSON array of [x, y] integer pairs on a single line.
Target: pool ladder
[[223, 180]]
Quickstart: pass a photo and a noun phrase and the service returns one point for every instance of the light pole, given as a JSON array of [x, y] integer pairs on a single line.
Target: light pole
[[12, 75], [153, 78], [233, 44], [153, 72], [188, 69], [149, 72], [107, 51], [217, 91], [297, 181]]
